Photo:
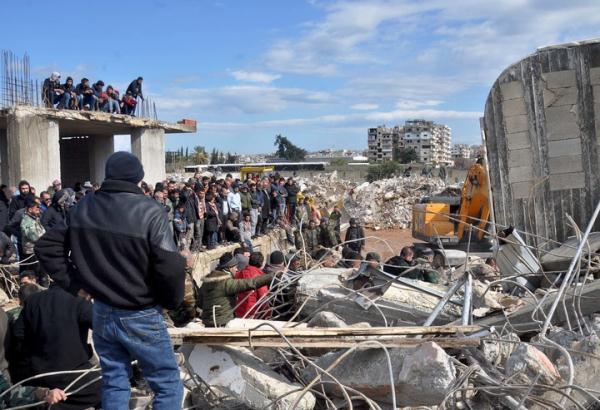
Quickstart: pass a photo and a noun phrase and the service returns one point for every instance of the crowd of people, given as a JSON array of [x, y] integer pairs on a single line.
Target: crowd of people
[[90, 97], [116, 258]]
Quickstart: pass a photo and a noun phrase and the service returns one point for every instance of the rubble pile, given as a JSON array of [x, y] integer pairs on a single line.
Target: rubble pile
[[482, 337], [380, 204]]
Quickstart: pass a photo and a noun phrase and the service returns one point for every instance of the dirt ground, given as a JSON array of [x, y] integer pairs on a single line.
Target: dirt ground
[[381, 241]]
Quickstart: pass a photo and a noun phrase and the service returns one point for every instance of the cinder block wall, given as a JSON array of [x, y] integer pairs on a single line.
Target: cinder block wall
[[542, 134]]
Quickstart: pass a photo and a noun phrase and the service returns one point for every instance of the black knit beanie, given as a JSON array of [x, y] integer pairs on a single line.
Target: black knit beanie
[[276, 258], [124, 166]]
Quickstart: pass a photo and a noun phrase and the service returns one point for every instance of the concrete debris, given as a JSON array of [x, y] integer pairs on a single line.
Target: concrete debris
[[498, 349], [380, 204], [530, 365], [367, 370], [245, 377], [399, 305], [330, 319], [426, 376], [364, 369]]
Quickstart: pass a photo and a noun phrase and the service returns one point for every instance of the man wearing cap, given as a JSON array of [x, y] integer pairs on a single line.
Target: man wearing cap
[[219, 287], [124, 256]]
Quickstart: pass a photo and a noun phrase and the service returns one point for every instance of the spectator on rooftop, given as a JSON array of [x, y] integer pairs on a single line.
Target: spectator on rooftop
[[70, 95], [100, 96], [85, 95], [135, 88], [52, 92], [112, 105]]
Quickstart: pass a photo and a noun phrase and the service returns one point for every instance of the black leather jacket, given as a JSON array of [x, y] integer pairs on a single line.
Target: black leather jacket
[[121, 247]]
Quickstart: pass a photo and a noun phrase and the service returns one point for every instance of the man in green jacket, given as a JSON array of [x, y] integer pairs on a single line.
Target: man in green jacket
[[218, 291]]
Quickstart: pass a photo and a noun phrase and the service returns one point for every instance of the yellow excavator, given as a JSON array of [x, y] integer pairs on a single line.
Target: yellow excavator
[[445, 220]]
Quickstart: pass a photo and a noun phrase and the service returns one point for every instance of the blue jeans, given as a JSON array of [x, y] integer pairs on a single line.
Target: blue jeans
[[87, 99], [121, 336]]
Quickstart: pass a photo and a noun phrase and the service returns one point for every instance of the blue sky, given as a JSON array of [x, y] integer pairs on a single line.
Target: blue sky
[[319, 72]]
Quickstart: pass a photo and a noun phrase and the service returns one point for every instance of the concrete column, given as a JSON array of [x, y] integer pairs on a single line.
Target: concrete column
[[33, 149], [148, 144], [101, 146], [3, 156]]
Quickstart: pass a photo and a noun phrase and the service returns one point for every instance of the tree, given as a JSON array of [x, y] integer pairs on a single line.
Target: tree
[[231, 158], [187, 152], [382, 171], [405, 155], [286, 149], [200, 155], [214, 156]]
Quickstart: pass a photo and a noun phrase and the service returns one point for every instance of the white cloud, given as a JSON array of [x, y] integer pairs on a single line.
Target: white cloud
[[429, 114], [364, 107], [336, 39], [412, 104], [395, 116], [247, 99], [255, 76]]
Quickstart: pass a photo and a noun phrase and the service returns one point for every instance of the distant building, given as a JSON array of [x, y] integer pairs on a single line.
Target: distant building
[[477, 151], [461, 151], [430, 141], [383, 141]]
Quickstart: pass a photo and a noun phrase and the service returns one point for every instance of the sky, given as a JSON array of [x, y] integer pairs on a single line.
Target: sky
[[318, 72]]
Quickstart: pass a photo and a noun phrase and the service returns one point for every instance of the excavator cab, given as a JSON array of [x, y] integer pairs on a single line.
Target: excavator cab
[[447, 220]]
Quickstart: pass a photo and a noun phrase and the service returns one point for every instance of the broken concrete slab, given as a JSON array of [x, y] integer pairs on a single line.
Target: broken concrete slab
[[558, 259], [364, 369], [399, 305], [426, 377], [528, 364], [521, 320], [422, 375], [330, 319], [244, 377]]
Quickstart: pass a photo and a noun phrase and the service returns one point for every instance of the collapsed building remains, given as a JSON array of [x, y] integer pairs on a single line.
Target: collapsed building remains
[[382, 204]]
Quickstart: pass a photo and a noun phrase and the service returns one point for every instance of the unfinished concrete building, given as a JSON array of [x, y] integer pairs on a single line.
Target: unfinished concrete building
[[42, 144], [542, 130]]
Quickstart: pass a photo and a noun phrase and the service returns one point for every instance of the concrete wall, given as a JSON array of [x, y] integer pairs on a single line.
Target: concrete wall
[[148, 144], [207, 261], [101, 146], [541, 125], [32, 150]]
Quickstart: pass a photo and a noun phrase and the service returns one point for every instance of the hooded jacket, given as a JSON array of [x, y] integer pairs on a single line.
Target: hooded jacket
[[246, 301], [219, 289], [56, 215], [121, 248]]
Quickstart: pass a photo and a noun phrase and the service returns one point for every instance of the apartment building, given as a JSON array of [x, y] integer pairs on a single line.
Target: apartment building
[[461, 151], [430, 141], [382, 142]]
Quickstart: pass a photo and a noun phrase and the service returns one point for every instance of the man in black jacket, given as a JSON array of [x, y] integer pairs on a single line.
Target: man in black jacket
[[18, 202], [135, 88], [51, 333], [56, 214], [355, 236], [125, 257]]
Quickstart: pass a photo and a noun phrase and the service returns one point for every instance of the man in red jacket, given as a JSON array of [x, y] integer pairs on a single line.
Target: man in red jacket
[[247, 301]]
